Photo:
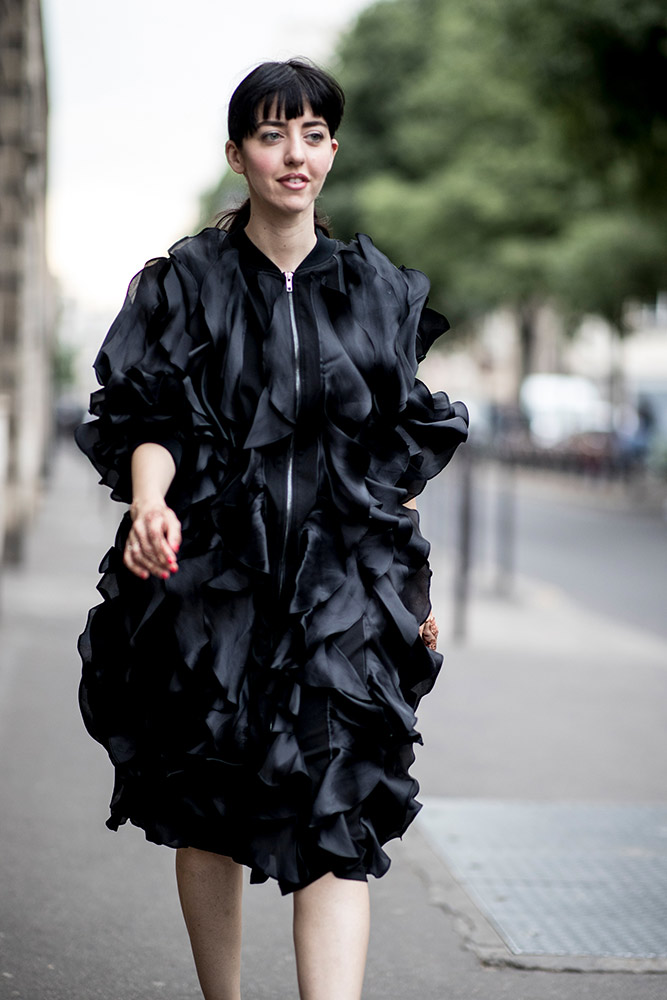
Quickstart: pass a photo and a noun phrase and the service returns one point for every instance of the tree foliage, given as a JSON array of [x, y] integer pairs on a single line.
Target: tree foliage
[[599, 68], [513, 149]]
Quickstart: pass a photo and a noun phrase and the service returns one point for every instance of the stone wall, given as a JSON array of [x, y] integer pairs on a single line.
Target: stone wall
[[26, 288]]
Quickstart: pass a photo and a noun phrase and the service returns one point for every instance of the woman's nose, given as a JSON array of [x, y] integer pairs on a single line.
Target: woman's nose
[[294, 152]]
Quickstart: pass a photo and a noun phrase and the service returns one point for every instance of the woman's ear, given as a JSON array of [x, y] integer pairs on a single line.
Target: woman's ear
[[334, 150], [234, 157]]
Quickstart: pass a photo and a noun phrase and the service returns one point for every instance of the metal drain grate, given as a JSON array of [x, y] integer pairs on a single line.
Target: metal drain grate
[[560, 878]]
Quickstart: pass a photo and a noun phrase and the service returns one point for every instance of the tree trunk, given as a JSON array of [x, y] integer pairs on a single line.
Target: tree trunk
[[616, 375], [527, 323]]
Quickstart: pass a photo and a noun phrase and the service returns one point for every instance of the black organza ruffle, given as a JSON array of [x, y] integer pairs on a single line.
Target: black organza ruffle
[[261, 702]]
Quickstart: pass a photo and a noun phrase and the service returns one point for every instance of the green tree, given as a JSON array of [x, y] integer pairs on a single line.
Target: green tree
[[509, 147], [376, 62], [464, 180], [600, 69], [601, 77]]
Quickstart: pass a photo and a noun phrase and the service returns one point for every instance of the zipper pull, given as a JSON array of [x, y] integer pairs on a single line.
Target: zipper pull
[[289, 275]]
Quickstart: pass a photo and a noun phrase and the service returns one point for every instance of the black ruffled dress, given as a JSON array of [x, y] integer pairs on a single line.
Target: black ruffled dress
[[261, 702]]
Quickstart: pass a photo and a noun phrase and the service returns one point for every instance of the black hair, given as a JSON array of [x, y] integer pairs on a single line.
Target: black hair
[[287, 87], [283, 88]]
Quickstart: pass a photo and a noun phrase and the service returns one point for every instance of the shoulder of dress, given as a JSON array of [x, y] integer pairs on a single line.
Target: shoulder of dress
[[362, 246], [197, 253], [188, 260], [208, 241], [403, 280], [149, 275]]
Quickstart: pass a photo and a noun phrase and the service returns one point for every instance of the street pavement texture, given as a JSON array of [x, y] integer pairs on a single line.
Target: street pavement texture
[[545, 701]]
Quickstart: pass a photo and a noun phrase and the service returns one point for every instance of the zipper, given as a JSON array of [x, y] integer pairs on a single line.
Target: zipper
[[289, 489]]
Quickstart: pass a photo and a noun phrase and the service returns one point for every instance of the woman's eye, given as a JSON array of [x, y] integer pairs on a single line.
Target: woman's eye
[[315, 136], [270, 136]]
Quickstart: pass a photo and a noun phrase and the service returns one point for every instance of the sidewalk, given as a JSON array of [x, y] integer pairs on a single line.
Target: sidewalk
[[544, 703]]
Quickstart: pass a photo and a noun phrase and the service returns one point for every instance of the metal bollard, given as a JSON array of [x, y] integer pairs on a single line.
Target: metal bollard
[[461, 601], [505, 528], [4, 467]]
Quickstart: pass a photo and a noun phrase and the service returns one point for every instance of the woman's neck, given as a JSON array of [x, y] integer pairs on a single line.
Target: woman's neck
[[286, 245]]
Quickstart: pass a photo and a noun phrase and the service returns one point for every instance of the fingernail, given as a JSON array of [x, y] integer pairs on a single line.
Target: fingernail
[[165, 576]]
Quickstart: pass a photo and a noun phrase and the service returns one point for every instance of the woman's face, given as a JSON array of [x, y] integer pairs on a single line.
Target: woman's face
[[285, 162]]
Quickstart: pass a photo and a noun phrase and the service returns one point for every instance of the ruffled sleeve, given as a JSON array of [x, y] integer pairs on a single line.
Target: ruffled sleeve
[[431, 426], [141, 367]]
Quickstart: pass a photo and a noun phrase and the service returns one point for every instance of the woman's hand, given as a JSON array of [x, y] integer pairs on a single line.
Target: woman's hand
[[429, 632], [153, 541]]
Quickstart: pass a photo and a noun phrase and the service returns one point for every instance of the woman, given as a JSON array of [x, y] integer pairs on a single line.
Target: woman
[[254, 668]]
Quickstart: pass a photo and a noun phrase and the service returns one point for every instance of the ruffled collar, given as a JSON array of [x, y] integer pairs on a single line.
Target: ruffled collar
[[251, 256]]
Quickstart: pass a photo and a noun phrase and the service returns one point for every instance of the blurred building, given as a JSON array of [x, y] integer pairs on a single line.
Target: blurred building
[[26, 290]]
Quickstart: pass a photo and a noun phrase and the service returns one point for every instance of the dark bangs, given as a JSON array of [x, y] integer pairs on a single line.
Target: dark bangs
[[284, 88]]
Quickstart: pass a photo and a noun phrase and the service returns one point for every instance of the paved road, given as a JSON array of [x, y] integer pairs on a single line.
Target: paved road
[[596, 543], [523, 710]]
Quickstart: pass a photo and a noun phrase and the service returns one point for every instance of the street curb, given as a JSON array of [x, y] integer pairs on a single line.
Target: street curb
[[480, 936]]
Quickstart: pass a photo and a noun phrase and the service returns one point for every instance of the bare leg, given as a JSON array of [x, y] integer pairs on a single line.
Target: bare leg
[[210, 887], [331, 928]]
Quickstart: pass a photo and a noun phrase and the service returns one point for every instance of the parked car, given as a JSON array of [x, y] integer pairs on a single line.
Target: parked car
[[557, 407]]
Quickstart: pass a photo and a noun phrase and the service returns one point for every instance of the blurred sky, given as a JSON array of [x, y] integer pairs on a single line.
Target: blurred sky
[[138, 95]]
